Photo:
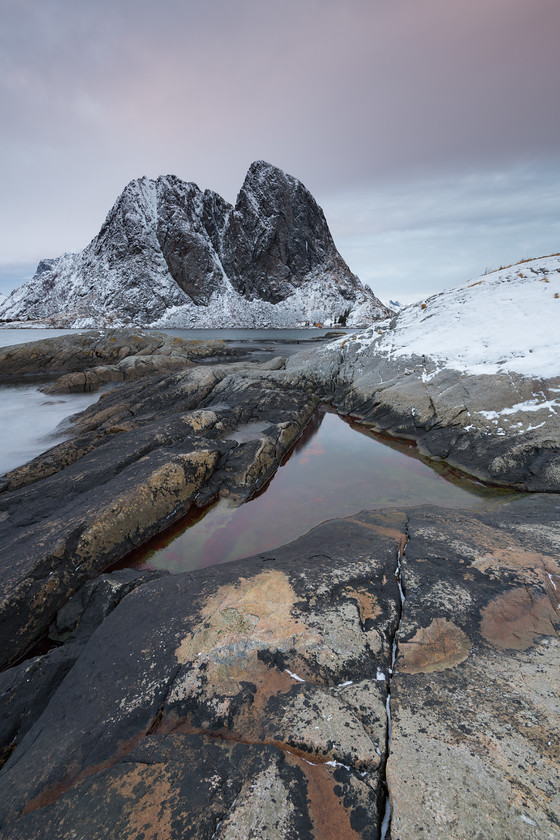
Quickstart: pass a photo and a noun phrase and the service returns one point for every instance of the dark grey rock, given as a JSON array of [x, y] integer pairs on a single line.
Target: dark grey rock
[[25, 691], [249, 699], [276, 236], [190, 692], [85, 361], [77, 619], [185, 241], [143, 455], [462, 419]]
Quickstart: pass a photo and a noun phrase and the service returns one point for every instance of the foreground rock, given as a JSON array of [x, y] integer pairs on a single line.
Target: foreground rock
[[26, 690], [140, 457], [249, 699], [475, 749], [214, 710]]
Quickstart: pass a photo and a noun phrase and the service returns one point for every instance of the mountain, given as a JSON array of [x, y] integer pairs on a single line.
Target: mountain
[[170, 255]]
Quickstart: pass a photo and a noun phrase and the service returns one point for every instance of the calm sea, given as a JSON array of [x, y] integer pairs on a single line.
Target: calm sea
[[235, 337]]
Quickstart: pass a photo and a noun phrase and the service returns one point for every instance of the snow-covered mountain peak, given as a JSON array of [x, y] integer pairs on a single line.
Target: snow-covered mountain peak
[[268, 189], [169, 252]]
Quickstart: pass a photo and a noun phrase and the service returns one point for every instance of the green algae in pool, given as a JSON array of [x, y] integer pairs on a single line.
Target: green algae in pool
[[336, 469]]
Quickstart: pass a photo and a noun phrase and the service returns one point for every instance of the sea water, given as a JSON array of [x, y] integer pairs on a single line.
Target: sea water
[[32, 422]]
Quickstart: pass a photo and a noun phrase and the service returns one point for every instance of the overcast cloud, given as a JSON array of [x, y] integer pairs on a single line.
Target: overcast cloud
[[427, 129]]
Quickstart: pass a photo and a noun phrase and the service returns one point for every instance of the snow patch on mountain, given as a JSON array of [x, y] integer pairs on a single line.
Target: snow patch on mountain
[[318, 302]]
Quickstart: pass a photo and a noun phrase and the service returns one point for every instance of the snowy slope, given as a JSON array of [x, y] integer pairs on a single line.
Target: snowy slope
[[504, 321]]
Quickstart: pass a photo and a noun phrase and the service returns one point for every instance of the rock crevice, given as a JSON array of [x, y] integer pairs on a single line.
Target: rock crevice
[[385, 821]]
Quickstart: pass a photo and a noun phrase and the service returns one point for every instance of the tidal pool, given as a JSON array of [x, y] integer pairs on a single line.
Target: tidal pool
[[336, 469]]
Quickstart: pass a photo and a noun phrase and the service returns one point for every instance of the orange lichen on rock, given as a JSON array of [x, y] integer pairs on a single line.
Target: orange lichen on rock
[[331, 820], [368, 605], [244, 615], [515, 620], [439, 646]]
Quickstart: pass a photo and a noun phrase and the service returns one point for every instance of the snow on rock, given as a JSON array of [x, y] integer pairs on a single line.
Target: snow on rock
[[472, 375], [506, 321], [170, 255]]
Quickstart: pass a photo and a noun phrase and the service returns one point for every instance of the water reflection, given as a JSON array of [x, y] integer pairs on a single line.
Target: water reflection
[[335, 469], [454, 476]]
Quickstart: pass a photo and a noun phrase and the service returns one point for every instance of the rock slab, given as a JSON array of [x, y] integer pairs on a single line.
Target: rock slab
[[216, 710], [251, 699]]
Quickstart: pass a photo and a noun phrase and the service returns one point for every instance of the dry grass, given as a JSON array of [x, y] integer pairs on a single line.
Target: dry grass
[[520, 262]]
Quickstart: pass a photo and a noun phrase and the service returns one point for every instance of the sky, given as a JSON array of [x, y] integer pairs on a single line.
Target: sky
[[428, 130]]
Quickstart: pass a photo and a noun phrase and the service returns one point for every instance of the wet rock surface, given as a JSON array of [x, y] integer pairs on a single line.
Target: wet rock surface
[[251, 697]]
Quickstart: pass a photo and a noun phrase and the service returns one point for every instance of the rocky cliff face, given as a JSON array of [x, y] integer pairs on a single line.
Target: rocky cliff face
[[169, 254]]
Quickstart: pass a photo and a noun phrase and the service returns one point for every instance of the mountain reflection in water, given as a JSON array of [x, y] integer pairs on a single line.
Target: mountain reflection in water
[[335, 469]]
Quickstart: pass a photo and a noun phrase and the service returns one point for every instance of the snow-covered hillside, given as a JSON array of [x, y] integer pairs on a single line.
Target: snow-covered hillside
[[472, 375], [169, 254], [503, 321]]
